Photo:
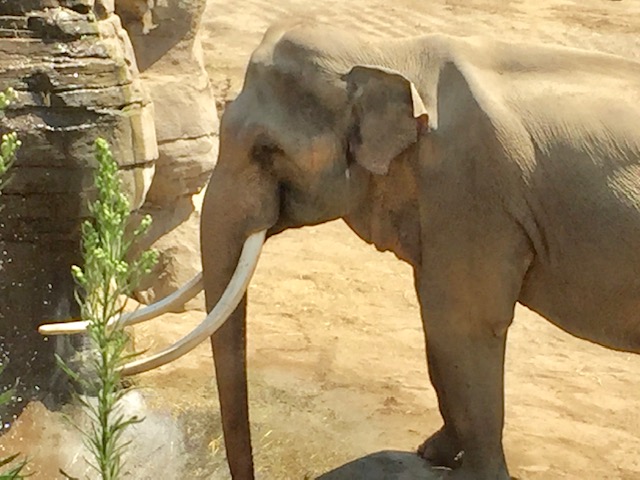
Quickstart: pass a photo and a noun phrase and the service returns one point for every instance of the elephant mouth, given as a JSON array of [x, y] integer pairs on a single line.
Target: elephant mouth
[[296, 210], [228, 302]]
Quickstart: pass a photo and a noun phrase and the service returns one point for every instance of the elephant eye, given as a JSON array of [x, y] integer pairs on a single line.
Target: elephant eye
[[354, 139], [265, 153]]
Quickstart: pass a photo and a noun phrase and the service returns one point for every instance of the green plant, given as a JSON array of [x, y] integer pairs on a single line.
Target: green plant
[[9, 146], [103, 284], [14, 471]]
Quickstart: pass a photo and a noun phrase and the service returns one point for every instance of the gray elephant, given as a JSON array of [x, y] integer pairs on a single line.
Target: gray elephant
[[501, 173]]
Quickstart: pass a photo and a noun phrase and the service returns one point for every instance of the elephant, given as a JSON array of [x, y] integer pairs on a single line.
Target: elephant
[[501, 172]]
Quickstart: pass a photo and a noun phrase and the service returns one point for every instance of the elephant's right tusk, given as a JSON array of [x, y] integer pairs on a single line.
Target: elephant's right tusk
[[177, 298], [215, 319]]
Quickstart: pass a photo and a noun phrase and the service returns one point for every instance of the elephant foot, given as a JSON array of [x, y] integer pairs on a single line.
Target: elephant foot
[[441, 450]]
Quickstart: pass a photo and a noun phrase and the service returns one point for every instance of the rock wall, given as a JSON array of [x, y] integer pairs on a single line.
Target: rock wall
[[74, 70], [132, 72], [169, 54]]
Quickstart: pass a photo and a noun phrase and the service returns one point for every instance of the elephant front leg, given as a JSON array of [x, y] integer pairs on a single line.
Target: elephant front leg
[[443, 448], [469, 383], [465, 329]]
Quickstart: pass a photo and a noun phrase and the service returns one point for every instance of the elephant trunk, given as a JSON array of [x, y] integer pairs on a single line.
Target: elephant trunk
[[230, 358], [224, 230]]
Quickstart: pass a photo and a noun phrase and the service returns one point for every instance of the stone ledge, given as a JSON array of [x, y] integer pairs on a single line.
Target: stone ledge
[[63, 137], [183, 168], [61, 24], [53, 76]]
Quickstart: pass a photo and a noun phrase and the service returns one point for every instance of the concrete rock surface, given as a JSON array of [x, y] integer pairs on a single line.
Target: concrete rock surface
[[166, 41]]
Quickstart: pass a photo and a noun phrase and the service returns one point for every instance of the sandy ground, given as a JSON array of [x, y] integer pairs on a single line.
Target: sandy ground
[[337, 361]]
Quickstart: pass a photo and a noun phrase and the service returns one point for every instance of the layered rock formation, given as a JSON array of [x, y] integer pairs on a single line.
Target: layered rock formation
[[79, 76], [74, 70]]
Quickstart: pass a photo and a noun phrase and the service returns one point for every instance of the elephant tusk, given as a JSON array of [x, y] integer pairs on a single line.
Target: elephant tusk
[[215, 319], [177, 298]]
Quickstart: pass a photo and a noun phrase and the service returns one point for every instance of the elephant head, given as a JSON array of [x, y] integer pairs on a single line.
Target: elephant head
[[311, 137]]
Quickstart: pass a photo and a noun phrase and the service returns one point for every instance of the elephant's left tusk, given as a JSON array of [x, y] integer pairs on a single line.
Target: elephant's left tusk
[[177, 298], [215, 319]]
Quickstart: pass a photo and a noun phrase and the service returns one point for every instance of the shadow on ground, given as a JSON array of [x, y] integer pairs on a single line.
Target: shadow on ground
[[385, 465]]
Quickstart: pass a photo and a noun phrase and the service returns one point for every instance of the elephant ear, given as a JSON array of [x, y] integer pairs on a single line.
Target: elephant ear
[[387, 117]]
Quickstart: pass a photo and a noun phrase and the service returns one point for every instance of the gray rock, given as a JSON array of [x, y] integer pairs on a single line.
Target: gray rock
[[387, 465]]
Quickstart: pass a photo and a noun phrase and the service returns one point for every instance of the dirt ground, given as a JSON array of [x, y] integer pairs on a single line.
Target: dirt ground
[[337, 361], [336, 350]]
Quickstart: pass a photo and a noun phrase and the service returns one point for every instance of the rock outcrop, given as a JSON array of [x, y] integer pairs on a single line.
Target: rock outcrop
[[169, 54], [132, 72], [75, 74]]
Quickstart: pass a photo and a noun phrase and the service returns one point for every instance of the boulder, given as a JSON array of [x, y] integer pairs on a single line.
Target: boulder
[[386, 465], [175, 233], [157, 448]]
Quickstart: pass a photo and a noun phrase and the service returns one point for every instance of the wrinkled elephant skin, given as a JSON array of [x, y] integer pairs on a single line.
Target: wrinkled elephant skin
[[502, 173]]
